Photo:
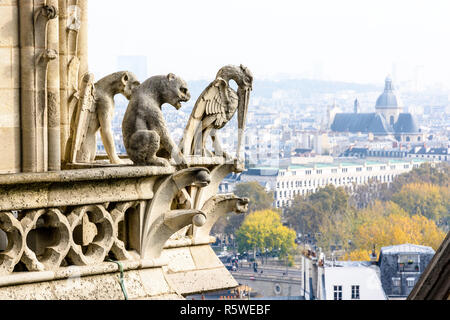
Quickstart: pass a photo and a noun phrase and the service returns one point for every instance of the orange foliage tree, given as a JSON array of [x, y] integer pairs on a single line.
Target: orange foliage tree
[[386, 224]]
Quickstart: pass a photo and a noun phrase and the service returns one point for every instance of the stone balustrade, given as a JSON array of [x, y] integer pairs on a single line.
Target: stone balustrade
[[86, 218]]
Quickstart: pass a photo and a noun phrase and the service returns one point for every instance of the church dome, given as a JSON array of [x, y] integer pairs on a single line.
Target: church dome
[[388, 99]]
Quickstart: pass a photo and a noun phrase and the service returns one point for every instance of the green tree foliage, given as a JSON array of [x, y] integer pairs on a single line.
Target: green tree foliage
[[259, 198], [323, 208], [263, 230]]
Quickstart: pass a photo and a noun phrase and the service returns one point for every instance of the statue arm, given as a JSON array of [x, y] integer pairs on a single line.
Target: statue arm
[[105, 119]]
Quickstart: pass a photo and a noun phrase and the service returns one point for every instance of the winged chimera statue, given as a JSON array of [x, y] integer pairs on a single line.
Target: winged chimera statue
[[214, 108]]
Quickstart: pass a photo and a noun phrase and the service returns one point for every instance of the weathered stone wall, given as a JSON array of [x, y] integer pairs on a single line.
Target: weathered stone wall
[[9, 87]]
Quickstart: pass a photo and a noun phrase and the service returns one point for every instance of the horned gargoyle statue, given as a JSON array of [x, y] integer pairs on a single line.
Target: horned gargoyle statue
[[95, 112], [214, 108]]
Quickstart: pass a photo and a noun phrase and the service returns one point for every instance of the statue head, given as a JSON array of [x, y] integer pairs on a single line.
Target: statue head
[[129, 83], [176, 91], [241, 74]]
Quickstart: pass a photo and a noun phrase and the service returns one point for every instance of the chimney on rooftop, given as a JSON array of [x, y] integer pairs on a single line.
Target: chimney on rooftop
[[373, 256]]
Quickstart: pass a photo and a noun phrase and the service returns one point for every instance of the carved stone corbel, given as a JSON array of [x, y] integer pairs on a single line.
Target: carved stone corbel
[[160, 221], [214, 209], [167, 225], [217, 175]]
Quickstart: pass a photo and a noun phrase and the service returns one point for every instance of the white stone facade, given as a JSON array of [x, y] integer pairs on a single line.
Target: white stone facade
[[306, 179]]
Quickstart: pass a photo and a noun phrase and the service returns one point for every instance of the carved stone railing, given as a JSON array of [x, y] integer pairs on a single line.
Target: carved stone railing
[[51, 222]]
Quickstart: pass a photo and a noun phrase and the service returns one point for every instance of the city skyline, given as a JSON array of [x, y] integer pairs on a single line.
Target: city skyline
[[290, 39]]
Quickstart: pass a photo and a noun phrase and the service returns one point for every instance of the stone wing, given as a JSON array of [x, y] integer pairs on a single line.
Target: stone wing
[[212, 102], [85, 108]]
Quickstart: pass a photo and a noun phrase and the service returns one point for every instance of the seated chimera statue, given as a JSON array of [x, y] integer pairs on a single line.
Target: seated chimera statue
[[145, 134]]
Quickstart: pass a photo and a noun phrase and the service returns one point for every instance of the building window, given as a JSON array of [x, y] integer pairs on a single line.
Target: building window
[[344, 170], [410, 282], [408, 263], [358, 169], [396, 282], [308, 172], [337, 292], [355, 292]]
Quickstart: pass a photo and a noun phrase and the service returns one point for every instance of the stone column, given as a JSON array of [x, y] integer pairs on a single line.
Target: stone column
[[10, 146], [83, 38], [63, 73], [53, 95], [27, 85]]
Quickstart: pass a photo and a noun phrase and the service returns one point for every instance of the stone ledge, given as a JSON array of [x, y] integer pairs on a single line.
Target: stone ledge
[[138, 286], [99, 171], [85, 175], [201, 281], [64, 273]]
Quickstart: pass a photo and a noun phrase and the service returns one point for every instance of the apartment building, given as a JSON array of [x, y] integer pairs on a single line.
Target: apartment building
[[295, 180]]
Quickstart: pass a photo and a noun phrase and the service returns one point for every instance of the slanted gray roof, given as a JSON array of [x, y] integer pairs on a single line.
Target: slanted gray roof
[[361, 122], [406, 124], [262, 172], [407, 248]]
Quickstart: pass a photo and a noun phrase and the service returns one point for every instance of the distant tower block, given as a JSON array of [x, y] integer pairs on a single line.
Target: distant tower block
[[357, 106], [136, 64]]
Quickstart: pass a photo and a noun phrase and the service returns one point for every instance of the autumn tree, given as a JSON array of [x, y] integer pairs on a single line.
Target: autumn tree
[[427, 173], [426, 199], [431, 173], [386, 224], [263, 230]]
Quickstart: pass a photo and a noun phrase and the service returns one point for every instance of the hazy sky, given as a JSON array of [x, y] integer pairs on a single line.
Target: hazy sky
[[347, 40]]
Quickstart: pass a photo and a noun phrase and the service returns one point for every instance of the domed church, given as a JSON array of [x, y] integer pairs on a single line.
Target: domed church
[[387, 119]]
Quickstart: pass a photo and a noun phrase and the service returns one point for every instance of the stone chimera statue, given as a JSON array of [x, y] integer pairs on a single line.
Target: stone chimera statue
[[214, 109], [100, 118], [146, 137]]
